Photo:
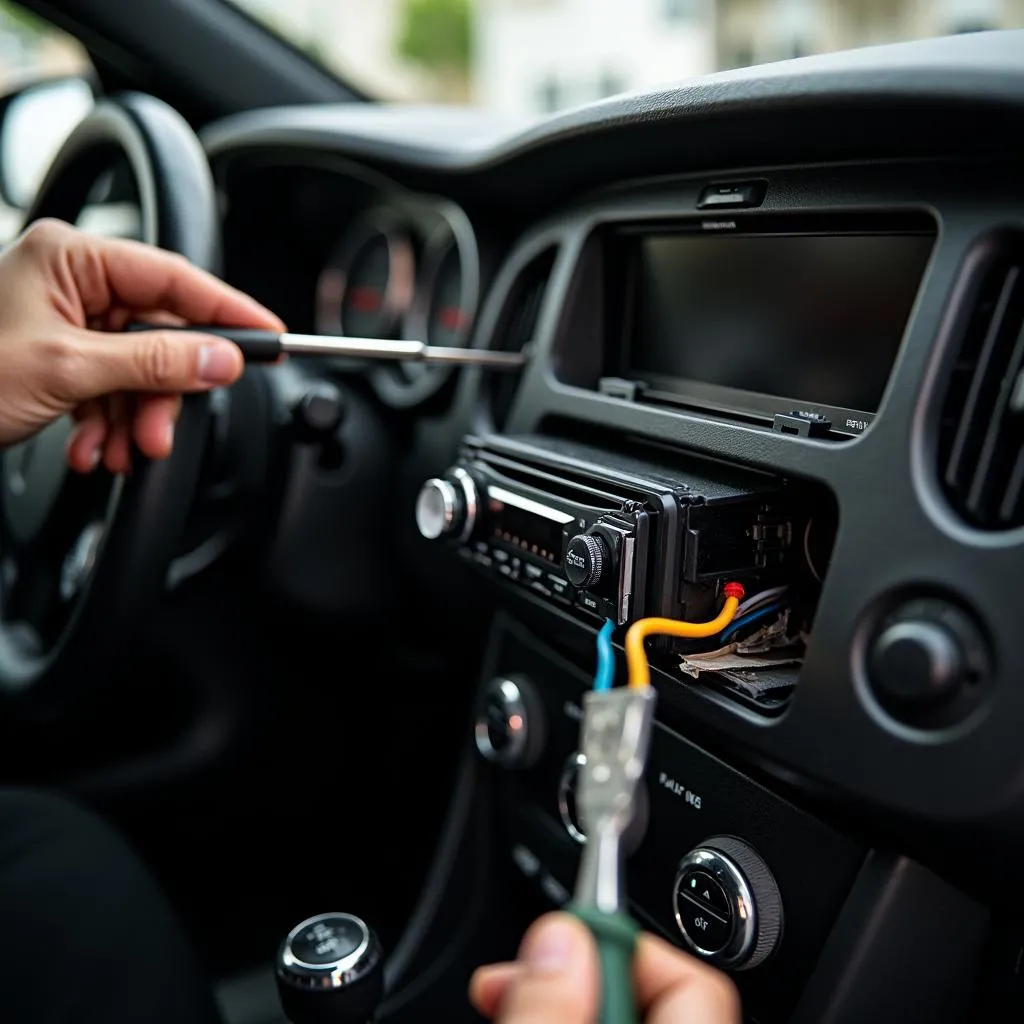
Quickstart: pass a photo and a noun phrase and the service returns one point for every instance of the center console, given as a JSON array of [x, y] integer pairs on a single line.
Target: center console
[[777, 380]]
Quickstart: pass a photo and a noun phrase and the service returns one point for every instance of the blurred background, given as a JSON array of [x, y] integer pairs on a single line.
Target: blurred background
[[539, 56], [516, 57]]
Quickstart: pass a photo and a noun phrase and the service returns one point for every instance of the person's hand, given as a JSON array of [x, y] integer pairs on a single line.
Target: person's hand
[[556, 980], [61, 294]]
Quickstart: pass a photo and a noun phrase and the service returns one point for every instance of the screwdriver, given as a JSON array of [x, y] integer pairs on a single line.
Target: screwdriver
[[268, 346], [616, 736]]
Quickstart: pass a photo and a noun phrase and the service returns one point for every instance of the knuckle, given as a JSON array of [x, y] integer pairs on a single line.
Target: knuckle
[[160, 360], [44, 235], [64, 365]]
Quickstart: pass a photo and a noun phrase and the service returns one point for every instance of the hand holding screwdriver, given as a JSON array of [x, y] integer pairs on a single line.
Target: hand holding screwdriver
[[556, 981]]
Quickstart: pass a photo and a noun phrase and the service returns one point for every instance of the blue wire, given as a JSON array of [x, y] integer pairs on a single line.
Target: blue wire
[[754, 616], [604, 678]]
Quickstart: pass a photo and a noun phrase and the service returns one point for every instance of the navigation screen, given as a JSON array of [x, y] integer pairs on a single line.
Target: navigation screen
[[814, 318]]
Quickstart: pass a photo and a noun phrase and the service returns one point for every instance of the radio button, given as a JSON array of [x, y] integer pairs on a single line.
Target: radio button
[[587, 559], [534, 572], [559, 587], [589, 602]]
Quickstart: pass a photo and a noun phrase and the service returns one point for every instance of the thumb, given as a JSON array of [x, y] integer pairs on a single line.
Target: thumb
[[558, 980], [155, 361]]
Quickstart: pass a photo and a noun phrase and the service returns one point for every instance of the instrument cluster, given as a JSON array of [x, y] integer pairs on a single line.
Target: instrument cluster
[[408, 268]]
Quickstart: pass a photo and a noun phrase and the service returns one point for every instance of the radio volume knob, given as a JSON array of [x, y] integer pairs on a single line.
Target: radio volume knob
[[586, 560], [447, 506]]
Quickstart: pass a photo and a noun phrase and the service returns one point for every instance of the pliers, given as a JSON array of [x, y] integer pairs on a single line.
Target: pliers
[[616, 737]]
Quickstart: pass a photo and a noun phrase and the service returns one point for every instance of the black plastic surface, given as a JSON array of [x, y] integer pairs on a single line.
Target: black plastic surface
[[907, 949], [692, 796]]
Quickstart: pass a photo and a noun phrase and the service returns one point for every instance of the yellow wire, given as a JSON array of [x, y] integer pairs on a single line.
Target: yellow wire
[[636, 656]]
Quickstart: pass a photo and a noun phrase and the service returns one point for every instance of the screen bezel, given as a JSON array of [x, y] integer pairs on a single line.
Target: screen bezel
[[622, 264]]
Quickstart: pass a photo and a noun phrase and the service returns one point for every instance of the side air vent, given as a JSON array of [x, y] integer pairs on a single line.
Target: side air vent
[[981, 436], [516, 329]]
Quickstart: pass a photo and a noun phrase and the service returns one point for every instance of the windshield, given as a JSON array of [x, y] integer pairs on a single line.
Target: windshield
[[538, 56]]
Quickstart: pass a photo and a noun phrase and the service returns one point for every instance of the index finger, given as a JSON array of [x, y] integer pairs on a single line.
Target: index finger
[[672, 986], [146, 278]]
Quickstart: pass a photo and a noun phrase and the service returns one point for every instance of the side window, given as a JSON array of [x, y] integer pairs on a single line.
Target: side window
[[31, 50]]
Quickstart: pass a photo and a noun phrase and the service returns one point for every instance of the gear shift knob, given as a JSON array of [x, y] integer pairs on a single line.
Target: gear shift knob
[[330, 970]]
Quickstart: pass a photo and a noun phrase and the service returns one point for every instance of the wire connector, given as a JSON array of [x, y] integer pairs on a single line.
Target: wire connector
[[616, 738]]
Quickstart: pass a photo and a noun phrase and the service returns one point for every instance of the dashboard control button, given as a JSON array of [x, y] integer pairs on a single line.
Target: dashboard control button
[[706, 932], [509, 728], [702, 887], [731, 195], [751, 922], [925, 661], [925, 654], [320, 409], [447, 506], [587, 559], [568, 810]]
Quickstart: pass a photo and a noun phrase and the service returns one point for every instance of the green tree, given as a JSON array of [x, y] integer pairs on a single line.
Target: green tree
[[17, 19], [436, 34]]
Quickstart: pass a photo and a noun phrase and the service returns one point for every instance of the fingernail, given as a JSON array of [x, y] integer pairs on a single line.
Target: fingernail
[[94, 457], [549, 949], [169, 436], [218, 363]]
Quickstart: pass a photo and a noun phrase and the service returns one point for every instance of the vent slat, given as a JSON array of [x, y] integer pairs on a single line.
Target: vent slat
[[519, 325], [1010, 509], [981, 427], [994, 455], [965, 445]]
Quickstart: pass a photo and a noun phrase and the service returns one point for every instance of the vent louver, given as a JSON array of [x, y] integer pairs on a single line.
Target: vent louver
[[516, 329], [981, 434]]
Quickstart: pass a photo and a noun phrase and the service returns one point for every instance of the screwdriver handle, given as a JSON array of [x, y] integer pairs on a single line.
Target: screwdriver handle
[[257, 346], [615, 935]]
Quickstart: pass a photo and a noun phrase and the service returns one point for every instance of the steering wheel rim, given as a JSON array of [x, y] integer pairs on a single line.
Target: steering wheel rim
[[122, 563]]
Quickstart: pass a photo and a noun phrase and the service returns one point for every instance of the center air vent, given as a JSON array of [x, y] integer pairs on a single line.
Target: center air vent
[[981, 436], [516, 330]]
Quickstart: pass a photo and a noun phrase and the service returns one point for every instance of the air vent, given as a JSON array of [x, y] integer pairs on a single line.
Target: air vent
[[516, 330], [981, 437]]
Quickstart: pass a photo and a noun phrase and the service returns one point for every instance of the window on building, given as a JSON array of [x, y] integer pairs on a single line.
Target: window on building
[[610, 84], [675, 11], [550, 95]]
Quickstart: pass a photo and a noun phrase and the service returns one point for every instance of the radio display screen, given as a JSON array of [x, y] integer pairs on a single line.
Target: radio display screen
[[535, 531], [813, 318]]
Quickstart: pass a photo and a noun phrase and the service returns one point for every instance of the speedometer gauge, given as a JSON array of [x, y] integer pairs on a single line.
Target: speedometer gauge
[[448, 319], [367, 286]]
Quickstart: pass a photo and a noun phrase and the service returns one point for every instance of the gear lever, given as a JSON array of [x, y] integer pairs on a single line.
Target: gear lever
[[330, 970]]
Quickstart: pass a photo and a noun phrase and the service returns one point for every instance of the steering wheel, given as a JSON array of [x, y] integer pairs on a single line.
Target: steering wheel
[[84, 559]]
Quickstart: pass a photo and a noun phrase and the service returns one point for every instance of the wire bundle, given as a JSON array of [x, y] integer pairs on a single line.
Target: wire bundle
[[636, 655]]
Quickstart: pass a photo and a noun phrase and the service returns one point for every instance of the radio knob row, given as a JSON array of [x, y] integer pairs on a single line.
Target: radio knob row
[[725, 900]]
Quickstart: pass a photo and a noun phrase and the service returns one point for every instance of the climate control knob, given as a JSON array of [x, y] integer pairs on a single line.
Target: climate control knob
[[727, 904], [447, 506], [510, 725], [587, 559]]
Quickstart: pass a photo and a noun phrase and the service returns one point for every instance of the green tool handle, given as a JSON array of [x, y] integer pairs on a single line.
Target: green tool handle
[[616, 936]]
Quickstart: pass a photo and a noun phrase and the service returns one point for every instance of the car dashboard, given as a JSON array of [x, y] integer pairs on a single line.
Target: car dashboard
[[773, 328]]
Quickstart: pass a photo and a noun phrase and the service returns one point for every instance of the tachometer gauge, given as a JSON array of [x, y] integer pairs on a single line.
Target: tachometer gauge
[[367, 286], [448, 319]]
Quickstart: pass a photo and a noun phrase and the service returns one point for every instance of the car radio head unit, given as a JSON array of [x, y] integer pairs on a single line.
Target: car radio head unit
[[606, 538]]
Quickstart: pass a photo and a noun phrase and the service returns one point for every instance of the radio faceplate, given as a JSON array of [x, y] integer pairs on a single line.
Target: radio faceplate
[[606, 536], [586, 557]]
